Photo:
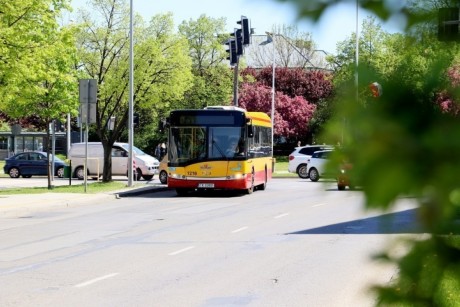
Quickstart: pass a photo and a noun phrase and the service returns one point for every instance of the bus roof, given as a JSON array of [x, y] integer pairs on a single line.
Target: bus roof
[[257, 118]]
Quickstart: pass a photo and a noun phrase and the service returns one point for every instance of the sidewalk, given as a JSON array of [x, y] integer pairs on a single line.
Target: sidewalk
[[16, 205]]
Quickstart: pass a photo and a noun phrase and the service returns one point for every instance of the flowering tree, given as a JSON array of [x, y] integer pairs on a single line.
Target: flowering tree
[[297, 88], [444, 98], [291, 114], [313, 85]]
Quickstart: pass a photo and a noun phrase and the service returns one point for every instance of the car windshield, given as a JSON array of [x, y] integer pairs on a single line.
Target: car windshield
[[136, 150]]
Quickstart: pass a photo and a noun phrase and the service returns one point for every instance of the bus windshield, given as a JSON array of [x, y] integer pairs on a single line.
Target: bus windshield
[[194, 144]]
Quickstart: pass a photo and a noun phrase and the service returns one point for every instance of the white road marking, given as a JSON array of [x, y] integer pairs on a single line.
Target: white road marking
[[240, 229], [181, 251], [281, 215], [318, 205], [92, 281]]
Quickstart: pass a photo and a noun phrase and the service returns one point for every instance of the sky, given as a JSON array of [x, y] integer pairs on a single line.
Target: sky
[[336, 25]]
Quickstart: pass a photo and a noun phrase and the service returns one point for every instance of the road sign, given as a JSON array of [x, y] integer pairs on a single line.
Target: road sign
[[88, 90], [84, 112]]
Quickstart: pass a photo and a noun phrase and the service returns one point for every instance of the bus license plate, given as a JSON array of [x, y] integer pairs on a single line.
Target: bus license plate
[[206, 185]]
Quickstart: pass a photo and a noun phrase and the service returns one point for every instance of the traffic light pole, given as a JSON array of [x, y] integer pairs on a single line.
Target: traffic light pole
[[235, 84]]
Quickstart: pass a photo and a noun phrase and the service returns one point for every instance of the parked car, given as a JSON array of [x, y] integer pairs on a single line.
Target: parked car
[[163, 176], [298, 159], [33, 163], [146, 165], [317, 165]]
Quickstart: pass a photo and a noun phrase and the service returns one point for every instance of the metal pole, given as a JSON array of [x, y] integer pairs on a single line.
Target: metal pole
[[273, 94], [53, 148], [235, 84], [68, 135], [86, 142], [130, 110]]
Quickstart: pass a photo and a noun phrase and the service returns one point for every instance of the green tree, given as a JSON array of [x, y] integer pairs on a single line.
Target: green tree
[[212, 83], [162, 67], [402, 144], [37, 73], [28, 28]]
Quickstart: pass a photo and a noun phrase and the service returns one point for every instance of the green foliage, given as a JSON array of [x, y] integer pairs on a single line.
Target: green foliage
[[212, 84], [162, 67], [401, 144], [37, 60]]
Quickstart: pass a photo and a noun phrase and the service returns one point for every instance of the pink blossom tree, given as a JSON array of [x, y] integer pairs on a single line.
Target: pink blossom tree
[[444, 99], [291, 114]]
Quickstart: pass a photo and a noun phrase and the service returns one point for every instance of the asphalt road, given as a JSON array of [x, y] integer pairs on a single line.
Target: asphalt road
[[298, 243]]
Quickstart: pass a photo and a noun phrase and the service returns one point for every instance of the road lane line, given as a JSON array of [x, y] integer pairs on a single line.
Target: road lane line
[[281, 215], [181, 251], [92, 281], [240, 229], [318, 205]]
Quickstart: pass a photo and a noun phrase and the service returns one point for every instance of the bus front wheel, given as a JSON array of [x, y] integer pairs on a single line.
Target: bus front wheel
[[251, 188]]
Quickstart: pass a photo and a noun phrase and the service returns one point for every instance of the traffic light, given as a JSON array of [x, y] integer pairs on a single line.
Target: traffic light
[[232, 53], [245, 29], [239, 41]]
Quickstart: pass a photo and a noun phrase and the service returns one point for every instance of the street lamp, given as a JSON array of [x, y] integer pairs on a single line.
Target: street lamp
[[271, 39], [130, 102]]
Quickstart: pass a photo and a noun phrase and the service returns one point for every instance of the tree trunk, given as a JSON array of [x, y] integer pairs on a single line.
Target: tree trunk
[[107, 170]]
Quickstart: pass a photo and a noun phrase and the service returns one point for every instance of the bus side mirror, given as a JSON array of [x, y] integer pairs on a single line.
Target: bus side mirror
[[250, 131]]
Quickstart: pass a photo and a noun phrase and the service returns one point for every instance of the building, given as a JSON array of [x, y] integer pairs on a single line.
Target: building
[[12, 143]]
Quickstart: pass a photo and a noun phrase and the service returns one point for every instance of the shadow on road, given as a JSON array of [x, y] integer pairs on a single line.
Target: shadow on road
[[403, 222]]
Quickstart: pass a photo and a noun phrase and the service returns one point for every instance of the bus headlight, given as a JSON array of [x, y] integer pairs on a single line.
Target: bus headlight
[[175, 176], [236, 176]]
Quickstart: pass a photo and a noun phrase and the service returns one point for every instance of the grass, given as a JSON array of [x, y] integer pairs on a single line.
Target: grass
[[281, 168], [92, 188], [2, 164]]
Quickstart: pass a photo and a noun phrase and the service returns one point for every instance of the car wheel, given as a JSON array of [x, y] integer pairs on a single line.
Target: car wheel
[[163, 177], [302, 171], [313, 174], [14, 172], [60, 172], [80, 173], [147, 177], [340, 187]]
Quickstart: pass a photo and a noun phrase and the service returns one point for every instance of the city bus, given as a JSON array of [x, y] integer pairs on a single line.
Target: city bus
[[219, 148]]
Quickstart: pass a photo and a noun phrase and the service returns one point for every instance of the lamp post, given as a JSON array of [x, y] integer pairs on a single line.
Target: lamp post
[[130, 104], [271, 39]]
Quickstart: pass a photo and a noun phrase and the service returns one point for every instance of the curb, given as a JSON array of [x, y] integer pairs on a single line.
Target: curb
[[140, 191]]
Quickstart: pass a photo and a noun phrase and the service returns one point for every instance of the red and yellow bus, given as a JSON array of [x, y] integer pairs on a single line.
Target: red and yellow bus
[[219, 148]]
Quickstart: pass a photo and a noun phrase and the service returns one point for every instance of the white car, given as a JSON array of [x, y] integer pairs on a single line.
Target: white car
[[298, 159], [317, 165]]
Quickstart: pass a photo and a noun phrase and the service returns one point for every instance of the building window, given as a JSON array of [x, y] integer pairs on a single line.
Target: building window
[[3, 142]]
